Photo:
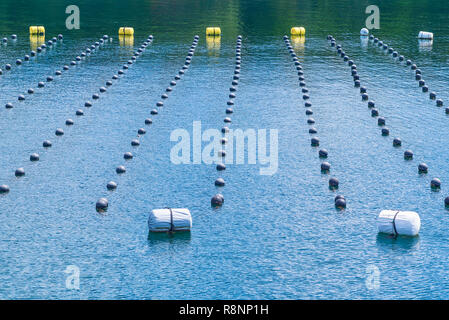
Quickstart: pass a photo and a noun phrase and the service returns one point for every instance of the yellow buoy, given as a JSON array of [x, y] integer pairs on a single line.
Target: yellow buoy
[[298, 31], [126, 31], [213, 31], [37, 30]]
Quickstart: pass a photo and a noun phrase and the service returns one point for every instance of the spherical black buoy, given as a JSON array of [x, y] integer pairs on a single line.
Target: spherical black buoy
[[4, 189], [220, 182], [435, 183], [229, 110], [432, 95], [221, 167], [135, 142], [68, 122], [423, 168], [34, 157], [20, 172], [111, 185], [364, 96], [408, 155], [333, 183], [148, 121], [374, 112], [340, 203], [88, 104], [9, 105], [217, 200], [397, 142], [128, 156], [79, 112], [315, 142], [47, 144], [439, 102], [381, 121], [313, 130], [102, 205], [446, 202], [323, 153], [141, 131], [385, 131], [21, 97], [120, 169], [371, 104], [310, 121], [59, 132]]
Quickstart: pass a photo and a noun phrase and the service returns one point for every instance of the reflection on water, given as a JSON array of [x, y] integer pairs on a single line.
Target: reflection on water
[[176, 238], [399, 243], [126, 40], [298, 42], [36, 41], [213, 44], [425, 45]]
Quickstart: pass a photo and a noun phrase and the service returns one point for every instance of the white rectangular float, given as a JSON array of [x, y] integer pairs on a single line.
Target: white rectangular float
[[395, 222], [170, 220], [425, 35]]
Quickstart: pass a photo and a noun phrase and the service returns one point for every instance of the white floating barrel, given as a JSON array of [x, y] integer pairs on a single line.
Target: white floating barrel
[[364, 32], [404, 223], [425, 35], [170, 220]]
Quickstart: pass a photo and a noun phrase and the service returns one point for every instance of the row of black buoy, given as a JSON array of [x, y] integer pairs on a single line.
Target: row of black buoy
[[408, 63], [339, 200], [69, 122], [13, 37], [103, 203], [218, 199], [33, 53], [41, 84], [435, 183]]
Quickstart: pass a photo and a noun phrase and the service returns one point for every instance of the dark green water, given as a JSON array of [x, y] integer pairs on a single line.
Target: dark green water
[[276, 237]]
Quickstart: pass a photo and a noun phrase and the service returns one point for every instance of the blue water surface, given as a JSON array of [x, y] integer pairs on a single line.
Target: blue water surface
[[276, 237]]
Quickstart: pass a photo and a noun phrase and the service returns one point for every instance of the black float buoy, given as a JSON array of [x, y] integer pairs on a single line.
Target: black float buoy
[[220, 182], [323, 153], [4, 189], [381, 121], [21, 97], [9, 105], [432, 95], [374, 112], [333, 183], [221, 167], [423, 168], [314, 142], [397, 142], [435, 183], [34, 157], [408, 155], [79, 112], [217, 200], [68, 122], [148, 121], [88, 104], [120, 169], [340, 202], [135, 142], [446, 202], [20, 172], [385, 131], [310, 121], [313, 130], [439, 102], [46, 144], [111, 185], [102, 205], [128, 156]]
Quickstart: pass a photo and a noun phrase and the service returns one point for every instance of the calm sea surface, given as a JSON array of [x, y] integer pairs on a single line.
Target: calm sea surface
[[276, 237]]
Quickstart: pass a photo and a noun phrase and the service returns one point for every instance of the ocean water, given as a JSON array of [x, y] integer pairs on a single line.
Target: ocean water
[[276, 237]]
